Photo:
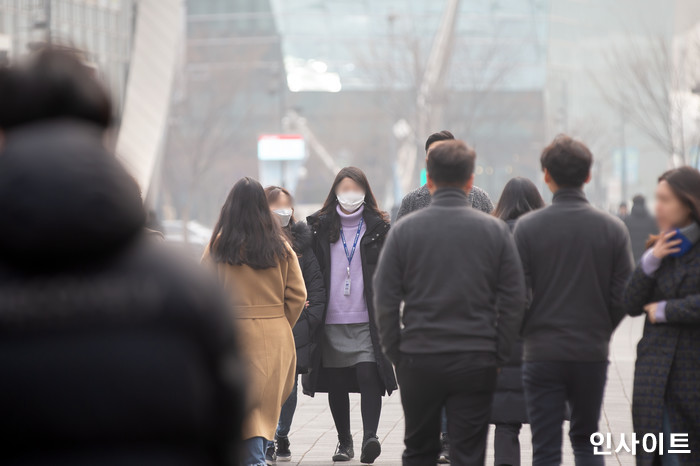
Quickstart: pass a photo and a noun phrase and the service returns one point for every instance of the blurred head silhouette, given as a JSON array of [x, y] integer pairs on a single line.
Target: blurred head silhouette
[[52, 83]]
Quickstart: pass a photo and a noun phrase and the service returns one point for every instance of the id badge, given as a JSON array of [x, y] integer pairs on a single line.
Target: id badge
[[346, 290]]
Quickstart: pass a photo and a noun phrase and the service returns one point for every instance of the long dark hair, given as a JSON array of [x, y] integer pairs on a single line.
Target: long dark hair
[[329, 206], [685, 185], [246, 232], [519, 197]]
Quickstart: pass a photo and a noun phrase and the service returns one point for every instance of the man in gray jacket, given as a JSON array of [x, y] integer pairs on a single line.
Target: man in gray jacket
[[463, 303], [576, 260], [419, 198]]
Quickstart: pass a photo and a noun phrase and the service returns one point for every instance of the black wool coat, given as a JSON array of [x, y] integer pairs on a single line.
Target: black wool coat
[[112, 350], [667, 371], [370, 246], [312, 316]]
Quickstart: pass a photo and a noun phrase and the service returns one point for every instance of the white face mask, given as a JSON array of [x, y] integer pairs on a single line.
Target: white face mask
[[283, 215], [351, 200]]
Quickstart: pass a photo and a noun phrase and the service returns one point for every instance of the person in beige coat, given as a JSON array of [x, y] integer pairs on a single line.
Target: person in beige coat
[[262, 274]]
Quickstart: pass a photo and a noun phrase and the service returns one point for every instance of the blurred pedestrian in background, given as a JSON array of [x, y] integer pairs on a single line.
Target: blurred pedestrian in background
[[665, 288], [641, 225], [112, 351], [622, 211], [459, 323], [299, 236], [509, 411], [420, 197], [261, 272], [349, 232], [577, 260]]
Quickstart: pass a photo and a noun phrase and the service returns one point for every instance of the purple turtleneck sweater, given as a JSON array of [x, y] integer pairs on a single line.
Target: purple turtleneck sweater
[[347, 309]]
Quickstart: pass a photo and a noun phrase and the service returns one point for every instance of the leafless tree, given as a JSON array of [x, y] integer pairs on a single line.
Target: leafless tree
[[480, 66], [650, 89], [203, 129]]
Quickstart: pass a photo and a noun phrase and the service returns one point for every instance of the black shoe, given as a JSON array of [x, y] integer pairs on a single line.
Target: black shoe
[[284, 454], [444, 457], [270, 456], [344, 451], [371, 449]]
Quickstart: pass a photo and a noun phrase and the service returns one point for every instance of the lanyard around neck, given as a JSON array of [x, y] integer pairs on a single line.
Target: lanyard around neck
[[351, 254]]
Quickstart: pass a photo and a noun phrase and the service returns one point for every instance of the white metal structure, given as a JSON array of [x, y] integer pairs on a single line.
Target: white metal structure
[[159, 30]]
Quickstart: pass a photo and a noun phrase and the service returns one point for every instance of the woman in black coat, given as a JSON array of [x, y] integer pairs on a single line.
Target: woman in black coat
[[350, 358], [299, 234], [665, 288], [508, 411]]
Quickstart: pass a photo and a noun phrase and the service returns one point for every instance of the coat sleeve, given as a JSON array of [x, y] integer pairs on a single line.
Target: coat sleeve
[[684, 310], [295, 290], [510, 297], [315, 290], [406, 206], [638, 292], [388, 294], [622, 270]]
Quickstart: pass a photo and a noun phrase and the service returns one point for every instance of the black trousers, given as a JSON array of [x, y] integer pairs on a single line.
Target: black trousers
[[548, 387], [464, 387], [506, 444]]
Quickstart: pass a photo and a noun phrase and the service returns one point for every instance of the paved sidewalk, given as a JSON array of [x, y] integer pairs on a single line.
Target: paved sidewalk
[[313, 435]]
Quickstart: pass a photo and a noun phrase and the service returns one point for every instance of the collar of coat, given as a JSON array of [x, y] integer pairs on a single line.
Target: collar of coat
[[451, 197], [569, 195]]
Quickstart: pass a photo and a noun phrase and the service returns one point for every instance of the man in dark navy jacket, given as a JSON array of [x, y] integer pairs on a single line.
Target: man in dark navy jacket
[[577, 260], [463, 303]]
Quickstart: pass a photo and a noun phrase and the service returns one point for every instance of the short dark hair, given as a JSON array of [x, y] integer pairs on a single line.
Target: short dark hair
[[443, 135], [568, 161], [52, 83], [451, 164]]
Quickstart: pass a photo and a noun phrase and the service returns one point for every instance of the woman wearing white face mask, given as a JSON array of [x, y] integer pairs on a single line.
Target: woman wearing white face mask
[[348, 233], [299, 236]]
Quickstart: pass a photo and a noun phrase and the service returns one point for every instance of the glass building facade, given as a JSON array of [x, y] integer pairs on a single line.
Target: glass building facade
[[102, 28]]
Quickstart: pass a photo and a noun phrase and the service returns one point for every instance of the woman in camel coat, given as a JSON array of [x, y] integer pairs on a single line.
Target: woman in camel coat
[[263, 277]]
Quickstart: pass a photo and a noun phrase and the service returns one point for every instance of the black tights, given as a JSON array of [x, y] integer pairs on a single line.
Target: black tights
[[371, 391]]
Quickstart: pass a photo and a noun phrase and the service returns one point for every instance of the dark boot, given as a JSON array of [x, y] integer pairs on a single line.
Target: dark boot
[[344, 451], [371, 449]]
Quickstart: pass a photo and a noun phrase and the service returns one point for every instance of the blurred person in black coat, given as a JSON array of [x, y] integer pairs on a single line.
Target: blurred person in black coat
[[641, 225], [509, 411], [112, 351]]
